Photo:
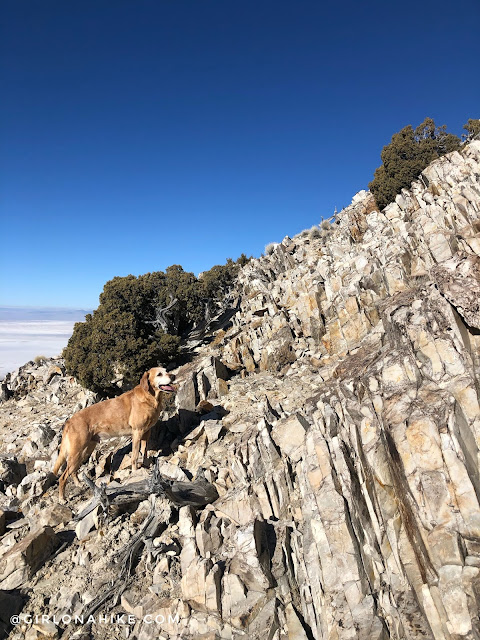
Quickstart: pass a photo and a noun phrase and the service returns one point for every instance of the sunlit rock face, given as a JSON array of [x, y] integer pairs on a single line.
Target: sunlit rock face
[[374, 446], [337, 415]]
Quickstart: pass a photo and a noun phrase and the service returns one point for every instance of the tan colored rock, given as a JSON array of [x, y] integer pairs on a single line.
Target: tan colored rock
[[212, 429], [295, 627], [459, 281], [21, 561], [53, 371], [86, 524], [130, 603], [289, 435], [238, 604], [51, 516], [237, 507], [47, 630]]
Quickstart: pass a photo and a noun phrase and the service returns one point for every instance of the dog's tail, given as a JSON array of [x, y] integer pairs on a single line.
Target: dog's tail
[[62, 456]]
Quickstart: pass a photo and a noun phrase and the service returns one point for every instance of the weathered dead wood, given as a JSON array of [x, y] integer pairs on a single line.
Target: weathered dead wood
[[107, 496], [196, 494], [161, 320], [125, 558]]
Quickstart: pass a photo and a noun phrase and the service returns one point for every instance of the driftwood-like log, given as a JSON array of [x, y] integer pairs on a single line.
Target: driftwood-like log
[[197, 494]]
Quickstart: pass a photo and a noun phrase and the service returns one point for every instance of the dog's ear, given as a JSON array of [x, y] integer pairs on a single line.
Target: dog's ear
[[145, 382]]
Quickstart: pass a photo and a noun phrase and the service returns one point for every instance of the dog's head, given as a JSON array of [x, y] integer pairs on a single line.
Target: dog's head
[[158, 379]]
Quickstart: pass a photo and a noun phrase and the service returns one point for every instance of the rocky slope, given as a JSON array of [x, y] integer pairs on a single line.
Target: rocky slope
[[342, 433]]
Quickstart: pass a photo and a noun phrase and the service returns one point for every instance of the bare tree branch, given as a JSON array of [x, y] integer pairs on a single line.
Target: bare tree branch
[[161, 321]]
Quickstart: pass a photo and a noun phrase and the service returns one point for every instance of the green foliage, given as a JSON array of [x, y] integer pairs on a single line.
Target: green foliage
[[112, 342], [243, 260], [219, 280], [407, 155], [472, 127], [124, 336]]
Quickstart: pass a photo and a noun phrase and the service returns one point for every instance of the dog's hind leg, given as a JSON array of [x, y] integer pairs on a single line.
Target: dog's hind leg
[[63, 453], [62, 458], [76, 480], [74, 462], [61, 485], [86, 455]]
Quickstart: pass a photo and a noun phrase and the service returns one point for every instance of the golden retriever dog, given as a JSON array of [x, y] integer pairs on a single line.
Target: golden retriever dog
[[132, 414]]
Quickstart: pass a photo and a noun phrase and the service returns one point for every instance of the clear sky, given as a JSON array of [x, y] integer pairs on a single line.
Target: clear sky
[[136, 134]]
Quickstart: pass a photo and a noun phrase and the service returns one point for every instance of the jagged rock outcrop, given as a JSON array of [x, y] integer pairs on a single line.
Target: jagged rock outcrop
[[337, 417]]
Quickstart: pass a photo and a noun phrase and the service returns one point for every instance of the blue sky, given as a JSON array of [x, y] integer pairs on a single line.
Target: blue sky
[[139, 134]]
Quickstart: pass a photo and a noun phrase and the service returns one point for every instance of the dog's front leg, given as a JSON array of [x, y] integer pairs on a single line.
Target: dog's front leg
[[136, 437], [144, 446]]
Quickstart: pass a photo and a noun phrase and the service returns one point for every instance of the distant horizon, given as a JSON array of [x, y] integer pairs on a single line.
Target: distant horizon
[[6, 309], [27, 306], [26, 332]]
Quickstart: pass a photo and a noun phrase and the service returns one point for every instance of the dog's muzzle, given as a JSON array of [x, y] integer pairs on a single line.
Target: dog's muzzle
[[167, 388]]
